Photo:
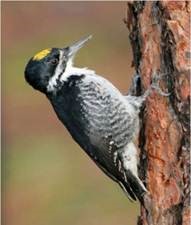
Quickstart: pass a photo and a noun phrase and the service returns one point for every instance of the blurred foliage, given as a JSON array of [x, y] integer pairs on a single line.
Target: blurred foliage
[[47, 178]]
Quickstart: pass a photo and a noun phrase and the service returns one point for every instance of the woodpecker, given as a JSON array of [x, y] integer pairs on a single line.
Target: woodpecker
[[99, 118]]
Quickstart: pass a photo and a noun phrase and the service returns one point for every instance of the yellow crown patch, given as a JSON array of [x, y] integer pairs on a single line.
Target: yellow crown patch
[[42, 54]]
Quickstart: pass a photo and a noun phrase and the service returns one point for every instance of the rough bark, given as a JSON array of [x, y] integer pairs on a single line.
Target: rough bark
[[159, 34]]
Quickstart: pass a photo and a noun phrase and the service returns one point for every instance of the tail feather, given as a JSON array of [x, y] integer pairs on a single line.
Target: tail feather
[[133, 186], [126, 188]]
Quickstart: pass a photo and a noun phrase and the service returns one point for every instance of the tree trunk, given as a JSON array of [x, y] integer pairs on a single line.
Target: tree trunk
[[159, 34]]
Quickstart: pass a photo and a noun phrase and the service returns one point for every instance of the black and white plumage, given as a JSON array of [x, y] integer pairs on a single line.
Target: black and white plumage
[[99, 118]]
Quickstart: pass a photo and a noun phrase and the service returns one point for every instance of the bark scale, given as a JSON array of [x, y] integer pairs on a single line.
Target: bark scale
[[159, 34]]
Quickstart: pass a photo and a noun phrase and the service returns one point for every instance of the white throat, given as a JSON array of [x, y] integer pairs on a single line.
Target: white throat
[[63, 77]]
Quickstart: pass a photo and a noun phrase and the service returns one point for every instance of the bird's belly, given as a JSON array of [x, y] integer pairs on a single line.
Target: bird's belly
[[109, 122], [96, 116]]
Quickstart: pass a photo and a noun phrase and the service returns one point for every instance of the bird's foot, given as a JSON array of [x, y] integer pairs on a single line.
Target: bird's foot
[[156, 82]]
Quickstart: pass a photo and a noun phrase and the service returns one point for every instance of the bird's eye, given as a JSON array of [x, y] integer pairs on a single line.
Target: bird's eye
[[54, 61]]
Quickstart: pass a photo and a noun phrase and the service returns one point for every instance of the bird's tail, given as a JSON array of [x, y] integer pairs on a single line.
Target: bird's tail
[[133, 186]]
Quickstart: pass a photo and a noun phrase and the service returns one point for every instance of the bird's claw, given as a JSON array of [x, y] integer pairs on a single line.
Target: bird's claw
[[158, 89], [155, 84]]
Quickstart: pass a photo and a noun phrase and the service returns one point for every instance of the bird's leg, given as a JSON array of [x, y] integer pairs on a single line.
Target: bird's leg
[[135, 89], [155, 84]]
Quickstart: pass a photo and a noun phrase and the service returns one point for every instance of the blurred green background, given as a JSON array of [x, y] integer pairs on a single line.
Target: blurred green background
[[47, 178]]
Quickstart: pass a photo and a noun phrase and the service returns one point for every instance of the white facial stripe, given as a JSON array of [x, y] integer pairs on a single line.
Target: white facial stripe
[[69, 70], [53, 80]]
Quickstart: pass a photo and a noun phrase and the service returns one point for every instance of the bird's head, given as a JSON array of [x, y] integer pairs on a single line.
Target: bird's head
[[50, 64]]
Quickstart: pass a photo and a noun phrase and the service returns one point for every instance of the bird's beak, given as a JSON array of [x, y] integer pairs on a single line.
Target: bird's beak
[[73, 49]]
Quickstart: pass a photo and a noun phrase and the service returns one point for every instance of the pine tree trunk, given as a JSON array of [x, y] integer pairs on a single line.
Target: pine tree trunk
[[159, 34]]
